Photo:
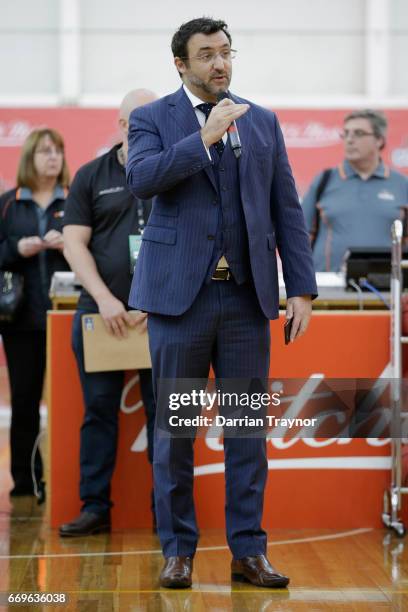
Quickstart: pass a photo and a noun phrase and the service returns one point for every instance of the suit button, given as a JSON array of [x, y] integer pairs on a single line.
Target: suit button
[[215, 202], [210, 237], [224, 188]]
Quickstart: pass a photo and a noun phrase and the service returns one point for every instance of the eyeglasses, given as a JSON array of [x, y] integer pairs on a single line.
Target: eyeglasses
[[48, 152], [209, 58], [355, 134]]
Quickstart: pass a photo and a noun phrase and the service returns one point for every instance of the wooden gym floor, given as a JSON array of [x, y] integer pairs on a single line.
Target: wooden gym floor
[[363, 569]]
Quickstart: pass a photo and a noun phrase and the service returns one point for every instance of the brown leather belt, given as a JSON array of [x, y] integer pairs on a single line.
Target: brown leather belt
[[222, 274]]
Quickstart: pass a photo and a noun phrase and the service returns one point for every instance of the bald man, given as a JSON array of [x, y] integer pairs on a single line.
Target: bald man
[[103, 224]]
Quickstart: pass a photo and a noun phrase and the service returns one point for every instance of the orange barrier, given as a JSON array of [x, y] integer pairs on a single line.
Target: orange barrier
[[333, 483]]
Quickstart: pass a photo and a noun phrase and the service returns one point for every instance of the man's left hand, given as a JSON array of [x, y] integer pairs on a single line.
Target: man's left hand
[[300, 308]]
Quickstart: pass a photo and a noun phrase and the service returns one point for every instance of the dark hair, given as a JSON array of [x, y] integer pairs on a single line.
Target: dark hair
[[203, 25], [377, 121]]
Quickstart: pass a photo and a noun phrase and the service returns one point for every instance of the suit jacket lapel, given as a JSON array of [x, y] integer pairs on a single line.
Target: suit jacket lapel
[[184, 114]]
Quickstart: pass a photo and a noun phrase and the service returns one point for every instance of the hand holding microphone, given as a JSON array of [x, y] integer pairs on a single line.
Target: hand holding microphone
[[220, 120]]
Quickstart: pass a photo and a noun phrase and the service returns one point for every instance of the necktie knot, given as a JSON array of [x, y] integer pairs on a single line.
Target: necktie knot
[[206, 108]]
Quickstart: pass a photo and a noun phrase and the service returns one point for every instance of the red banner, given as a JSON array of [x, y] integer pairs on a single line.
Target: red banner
[[312, 137]]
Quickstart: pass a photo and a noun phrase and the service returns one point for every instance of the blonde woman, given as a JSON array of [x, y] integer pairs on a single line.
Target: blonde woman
[[31, 244]]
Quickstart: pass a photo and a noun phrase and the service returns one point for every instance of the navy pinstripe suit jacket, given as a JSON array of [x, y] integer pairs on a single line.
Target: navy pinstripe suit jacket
[[168, 162]]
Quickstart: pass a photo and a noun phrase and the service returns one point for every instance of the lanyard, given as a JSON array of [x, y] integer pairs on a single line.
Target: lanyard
[[140, 216]]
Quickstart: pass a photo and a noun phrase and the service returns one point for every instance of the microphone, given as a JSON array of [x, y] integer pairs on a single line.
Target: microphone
[[232, 131]]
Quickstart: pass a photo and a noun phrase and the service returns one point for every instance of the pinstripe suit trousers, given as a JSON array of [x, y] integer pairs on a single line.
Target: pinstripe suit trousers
[[224, 327]]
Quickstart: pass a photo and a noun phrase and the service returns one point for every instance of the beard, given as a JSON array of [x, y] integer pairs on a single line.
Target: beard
[[210, 87]]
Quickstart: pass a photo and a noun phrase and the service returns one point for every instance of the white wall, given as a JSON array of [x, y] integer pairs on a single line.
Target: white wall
[[399, 47], [92, 51], [28, 47]]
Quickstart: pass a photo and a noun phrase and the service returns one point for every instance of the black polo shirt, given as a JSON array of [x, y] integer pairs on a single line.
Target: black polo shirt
[[99, 198]]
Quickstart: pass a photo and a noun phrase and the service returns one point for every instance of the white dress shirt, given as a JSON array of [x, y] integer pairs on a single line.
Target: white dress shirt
[[201, 120], [199, 114]]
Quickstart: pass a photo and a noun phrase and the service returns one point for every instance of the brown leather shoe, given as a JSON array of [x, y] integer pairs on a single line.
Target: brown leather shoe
[[258, 571], [176, 573]]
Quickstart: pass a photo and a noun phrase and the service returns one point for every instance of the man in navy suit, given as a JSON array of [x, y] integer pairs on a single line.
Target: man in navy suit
[[206, 273]]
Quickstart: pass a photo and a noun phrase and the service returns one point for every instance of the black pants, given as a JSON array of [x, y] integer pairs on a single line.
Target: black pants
[[99, 432], [26, 356]]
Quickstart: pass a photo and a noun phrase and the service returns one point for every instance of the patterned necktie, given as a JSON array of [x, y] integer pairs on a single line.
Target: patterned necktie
[[206, 108]]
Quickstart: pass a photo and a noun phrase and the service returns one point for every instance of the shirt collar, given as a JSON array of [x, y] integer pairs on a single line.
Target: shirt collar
[[381, 171], [193, 98], [25, 193]]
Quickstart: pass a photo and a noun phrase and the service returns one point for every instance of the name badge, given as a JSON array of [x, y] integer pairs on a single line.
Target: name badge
[[135, 242]]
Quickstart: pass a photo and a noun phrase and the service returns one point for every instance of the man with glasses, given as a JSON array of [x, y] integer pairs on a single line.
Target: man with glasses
[[355, 204], [206, 275]]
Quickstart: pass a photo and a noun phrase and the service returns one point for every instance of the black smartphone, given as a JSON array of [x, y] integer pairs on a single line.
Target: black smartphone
[[287, 328]]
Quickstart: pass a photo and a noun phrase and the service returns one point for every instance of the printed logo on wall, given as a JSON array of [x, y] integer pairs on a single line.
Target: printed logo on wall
[[13, 133], [310, 134], [399, 156]]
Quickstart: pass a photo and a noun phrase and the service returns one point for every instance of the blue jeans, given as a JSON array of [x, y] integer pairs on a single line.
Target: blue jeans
[[99, 432]]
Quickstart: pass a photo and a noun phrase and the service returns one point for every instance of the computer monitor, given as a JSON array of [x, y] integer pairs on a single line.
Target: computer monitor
[[372, 264]]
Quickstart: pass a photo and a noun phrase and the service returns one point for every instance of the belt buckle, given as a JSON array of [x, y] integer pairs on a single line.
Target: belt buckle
[[227, 276]]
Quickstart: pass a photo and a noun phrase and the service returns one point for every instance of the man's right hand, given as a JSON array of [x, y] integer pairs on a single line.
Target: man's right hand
[[219, 120], [115, 316], [27, 247]]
